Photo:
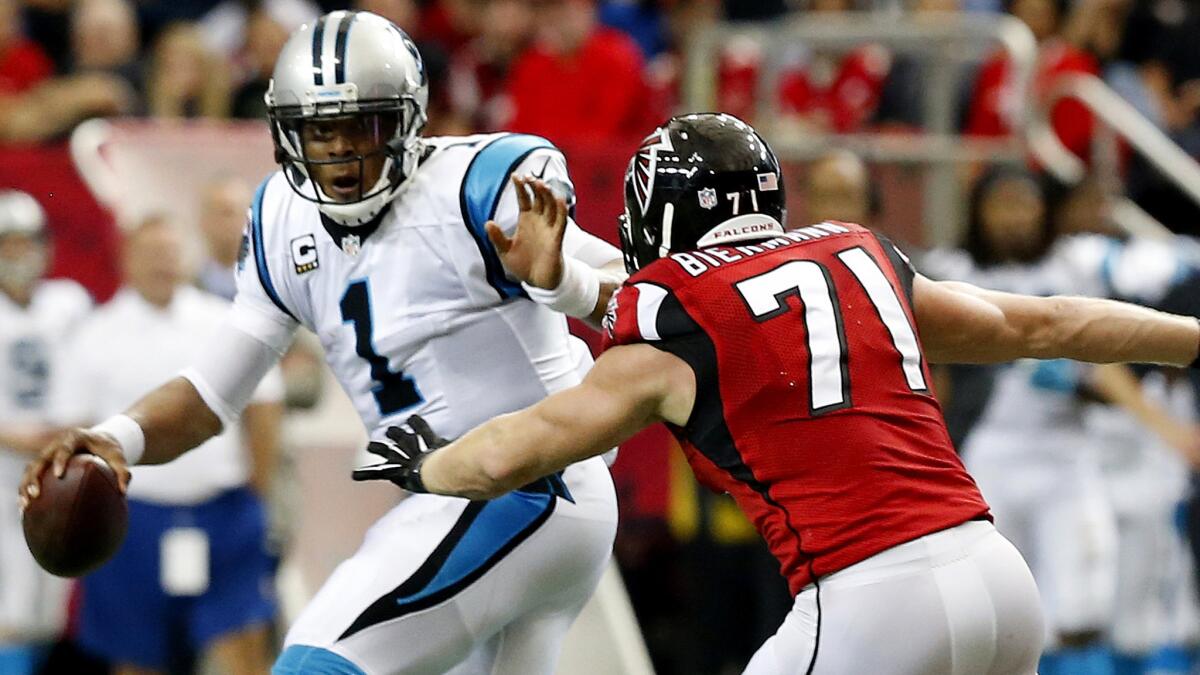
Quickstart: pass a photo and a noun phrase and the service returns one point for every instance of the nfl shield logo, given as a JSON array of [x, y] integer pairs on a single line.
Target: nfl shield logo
[[708, 198], [351, 244]]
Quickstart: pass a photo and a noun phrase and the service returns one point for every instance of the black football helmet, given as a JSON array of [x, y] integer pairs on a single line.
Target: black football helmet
[[700, 180]]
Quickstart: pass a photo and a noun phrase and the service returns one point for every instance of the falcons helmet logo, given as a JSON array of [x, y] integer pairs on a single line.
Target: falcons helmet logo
[[645, 163]]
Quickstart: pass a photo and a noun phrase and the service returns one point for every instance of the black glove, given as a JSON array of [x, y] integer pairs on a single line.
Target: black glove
[[403, 452]]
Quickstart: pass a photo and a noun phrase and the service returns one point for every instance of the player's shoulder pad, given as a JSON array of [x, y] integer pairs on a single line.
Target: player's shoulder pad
[[646, 311], [487, 175], [267, 200]]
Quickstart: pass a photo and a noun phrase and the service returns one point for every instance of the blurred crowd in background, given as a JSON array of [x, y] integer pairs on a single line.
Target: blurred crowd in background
[[600, 74], [585, 72]]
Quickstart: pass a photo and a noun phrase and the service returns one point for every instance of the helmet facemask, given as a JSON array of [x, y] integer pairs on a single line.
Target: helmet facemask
[[350, 158]]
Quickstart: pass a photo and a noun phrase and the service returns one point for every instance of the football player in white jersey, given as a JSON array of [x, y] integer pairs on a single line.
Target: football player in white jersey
[[404, 256], [34, 317]]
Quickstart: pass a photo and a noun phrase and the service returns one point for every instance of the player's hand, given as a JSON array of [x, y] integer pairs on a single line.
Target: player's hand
[[534, 253], [55, 455], [403, 452]]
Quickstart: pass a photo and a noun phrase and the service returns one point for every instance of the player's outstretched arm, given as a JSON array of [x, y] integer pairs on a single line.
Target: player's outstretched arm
[[172, 419], [630, 388], [960, 323]]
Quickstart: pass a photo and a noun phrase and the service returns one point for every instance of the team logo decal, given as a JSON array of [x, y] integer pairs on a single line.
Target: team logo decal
[[645, 163], [351, 244], [304, 254], [708, 198], [609, 324]]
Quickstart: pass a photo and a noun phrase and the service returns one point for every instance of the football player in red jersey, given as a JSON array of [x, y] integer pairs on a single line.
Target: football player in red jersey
[[793, 369]]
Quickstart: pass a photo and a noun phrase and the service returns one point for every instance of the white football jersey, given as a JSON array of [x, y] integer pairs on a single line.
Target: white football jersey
[[414, 310], [31, 340]]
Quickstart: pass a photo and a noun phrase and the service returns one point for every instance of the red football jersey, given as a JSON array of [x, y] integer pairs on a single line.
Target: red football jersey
[[813, 406]]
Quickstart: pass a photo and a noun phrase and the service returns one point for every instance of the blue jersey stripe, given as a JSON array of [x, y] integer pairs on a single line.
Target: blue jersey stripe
[[260, 256], [482, 187], [302, 659]]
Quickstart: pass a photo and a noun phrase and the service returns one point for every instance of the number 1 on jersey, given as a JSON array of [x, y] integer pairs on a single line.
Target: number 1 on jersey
[[393, 390]]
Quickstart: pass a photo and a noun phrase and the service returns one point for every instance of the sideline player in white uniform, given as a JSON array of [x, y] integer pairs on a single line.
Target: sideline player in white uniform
[[1036, 451], [194, 559], [380, 243], [34, 317]]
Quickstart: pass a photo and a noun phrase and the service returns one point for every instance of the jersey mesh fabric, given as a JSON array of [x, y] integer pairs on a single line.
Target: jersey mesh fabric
[[825, 488]]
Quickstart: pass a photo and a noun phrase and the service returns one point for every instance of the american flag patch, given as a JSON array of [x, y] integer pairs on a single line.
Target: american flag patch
[[768, 182]]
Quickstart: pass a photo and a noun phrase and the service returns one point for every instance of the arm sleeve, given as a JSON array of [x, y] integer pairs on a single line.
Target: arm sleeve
[[588, 248], [271, 389], [244, 349], [229, 371]]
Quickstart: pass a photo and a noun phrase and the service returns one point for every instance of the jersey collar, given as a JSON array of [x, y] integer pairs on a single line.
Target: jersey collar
[[351, 239]]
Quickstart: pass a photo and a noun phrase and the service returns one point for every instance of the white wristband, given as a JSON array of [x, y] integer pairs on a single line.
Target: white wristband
[[127, 433], [576, 293]]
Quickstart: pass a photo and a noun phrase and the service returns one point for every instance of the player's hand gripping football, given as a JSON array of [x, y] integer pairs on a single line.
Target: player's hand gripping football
[[55, 455], [403, 452], [534, 253]]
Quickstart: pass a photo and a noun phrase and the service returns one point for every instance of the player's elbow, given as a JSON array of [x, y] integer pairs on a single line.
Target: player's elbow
[[1043, 331], [502, 472]]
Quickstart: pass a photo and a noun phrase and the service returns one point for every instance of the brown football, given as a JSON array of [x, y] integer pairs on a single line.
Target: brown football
[[78, 521]]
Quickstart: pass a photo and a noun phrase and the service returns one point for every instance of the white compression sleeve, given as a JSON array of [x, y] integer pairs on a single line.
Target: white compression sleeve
[[228, 371], [588, 248]]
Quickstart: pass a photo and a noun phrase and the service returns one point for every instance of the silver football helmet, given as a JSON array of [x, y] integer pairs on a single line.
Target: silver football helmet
[[21, 215], [357, 66]]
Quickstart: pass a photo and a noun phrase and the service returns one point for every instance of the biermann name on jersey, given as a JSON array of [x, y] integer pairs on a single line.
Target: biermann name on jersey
[[698, 262]]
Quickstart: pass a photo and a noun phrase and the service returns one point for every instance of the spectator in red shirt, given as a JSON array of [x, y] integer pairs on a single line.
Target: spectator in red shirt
[[821, 91], [994, 103], [833, 92], [22, 62], [479, 71], [579, 81]]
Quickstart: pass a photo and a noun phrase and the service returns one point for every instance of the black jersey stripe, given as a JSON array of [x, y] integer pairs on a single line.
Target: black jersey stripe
[[902, 267], [706, 428], [482, 536]]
